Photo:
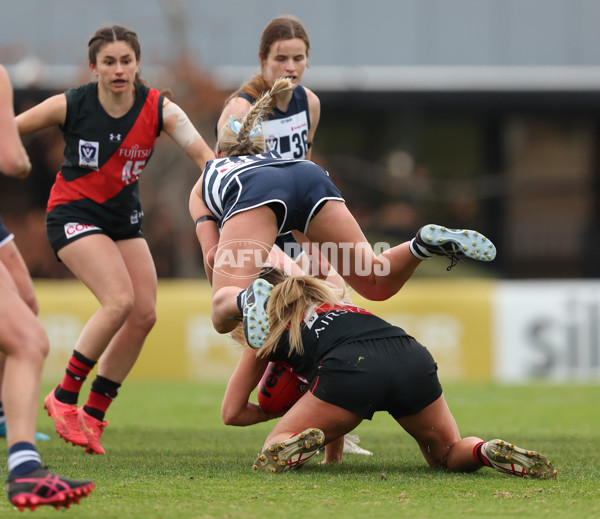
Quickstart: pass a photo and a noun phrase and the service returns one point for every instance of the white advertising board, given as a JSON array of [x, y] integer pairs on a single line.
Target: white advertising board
[[547, 331]]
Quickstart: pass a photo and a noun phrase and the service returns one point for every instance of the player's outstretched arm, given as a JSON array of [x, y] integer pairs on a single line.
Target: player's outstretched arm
[[236, 408]]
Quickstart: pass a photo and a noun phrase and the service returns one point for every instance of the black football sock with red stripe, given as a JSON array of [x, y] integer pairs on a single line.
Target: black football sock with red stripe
[[76, 373], [479, 456], [103, 392]]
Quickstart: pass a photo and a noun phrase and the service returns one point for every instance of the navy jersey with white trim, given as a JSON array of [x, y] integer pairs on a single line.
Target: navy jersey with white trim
[[287, 132]]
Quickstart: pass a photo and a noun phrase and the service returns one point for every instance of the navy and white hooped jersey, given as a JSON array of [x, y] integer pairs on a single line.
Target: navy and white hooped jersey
[[287, 132], [235, 184], [104, 157]]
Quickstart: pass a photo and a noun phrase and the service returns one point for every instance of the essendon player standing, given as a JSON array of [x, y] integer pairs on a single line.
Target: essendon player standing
[[94, 219]]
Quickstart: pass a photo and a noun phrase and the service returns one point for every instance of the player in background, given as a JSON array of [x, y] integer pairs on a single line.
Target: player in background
[[94, 219], [291, 124], [357, 364], [24, 343]]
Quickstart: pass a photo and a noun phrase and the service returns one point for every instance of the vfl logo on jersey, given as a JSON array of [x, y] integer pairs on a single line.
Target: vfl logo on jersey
[[88, 154], [74, 229]]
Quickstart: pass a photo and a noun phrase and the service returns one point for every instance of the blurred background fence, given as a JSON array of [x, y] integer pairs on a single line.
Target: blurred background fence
[[476, 113]]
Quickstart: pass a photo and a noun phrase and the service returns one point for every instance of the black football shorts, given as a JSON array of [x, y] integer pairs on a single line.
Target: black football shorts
[[396, 374]]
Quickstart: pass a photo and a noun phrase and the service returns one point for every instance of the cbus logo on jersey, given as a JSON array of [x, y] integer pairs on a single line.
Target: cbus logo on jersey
[[88, 154]]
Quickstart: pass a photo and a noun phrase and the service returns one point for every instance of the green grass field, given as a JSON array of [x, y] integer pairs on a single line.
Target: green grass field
[[169, 456]]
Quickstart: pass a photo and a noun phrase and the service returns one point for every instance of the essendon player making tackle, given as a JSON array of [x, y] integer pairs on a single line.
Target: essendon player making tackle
[[356, 364], [94, 218]]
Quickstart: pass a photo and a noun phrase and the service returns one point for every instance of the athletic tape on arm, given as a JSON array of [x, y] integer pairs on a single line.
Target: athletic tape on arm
[[184, 133]]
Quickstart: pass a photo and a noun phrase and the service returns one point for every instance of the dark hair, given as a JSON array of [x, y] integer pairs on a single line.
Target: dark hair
[[109, 35], [286, 27]]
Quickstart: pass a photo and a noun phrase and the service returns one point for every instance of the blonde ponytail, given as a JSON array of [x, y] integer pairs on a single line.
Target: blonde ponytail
[[287, 306]]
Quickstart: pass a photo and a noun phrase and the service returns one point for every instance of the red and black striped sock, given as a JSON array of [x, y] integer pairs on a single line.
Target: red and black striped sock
[[76, 373], [103, 392], [479, 456]]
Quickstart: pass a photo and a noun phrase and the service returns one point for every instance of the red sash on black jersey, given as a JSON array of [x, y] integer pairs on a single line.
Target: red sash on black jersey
[[106, 182]]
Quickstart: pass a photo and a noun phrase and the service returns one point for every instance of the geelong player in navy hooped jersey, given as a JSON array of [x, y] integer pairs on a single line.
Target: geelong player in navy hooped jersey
[[290, 125], [94, 218]]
